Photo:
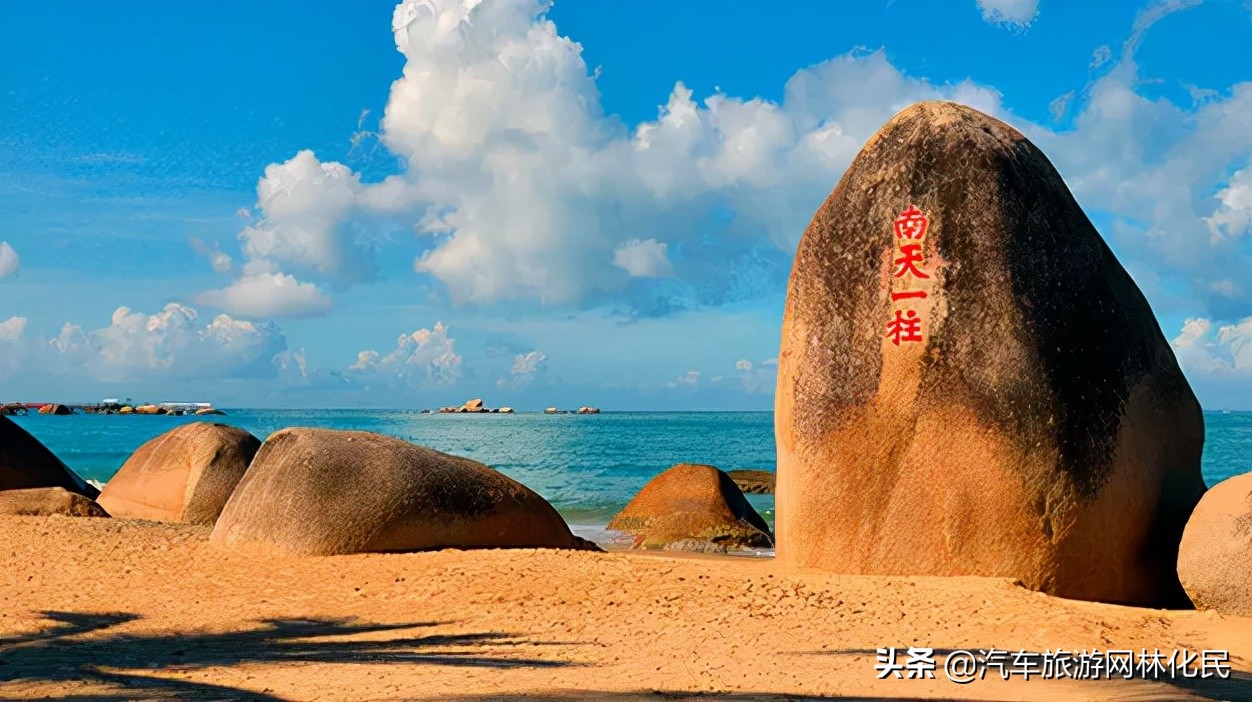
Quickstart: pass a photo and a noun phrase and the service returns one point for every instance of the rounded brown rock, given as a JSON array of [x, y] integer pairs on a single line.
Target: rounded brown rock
[[183, 475], [692, 507], [1215, 556], [324, 492], [26, 463], [1036, 426]]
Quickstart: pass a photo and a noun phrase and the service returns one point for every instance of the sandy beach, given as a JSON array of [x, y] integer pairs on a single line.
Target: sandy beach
[[114, 609]]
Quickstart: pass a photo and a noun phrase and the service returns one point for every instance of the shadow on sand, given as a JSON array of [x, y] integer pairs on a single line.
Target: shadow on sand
[[54, 655]]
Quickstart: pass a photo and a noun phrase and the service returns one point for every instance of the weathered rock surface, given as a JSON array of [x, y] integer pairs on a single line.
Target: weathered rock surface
[[1215, 556], [692, 507], [183, 475], [322, 492], [42, 502], [998, 400], [26, 463], [753, 482]]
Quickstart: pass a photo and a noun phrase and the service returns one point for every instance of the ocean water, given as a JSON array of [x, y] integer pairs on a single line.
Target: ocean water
[[587, 466]]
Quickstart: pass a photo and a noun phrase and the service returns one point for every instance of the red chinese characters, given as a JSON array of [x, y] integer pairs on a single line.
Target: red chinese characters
[[910, 226], [906, 326]]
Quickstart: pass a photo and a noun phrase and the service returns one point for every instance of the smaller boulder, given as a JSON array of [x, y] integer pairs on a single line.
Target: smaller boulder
[[550, 410], [42, 502], [1215, 555], [148, 409], [26, 463], [126, 409], [326, 492], [204, 411], [589, 410], [506, 410], [692, 507], [753, 482], [55, 409], [183, 475]]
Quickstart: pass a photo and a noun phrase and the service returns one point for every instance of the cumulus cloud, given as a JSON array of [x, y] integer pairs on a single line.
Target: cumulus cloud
[[425, 358], [521, 187], [1154, 167], [220, 261], [643, 259], [759, 378], [1010, 14], [1217, 359], [526, 367], [11, 329], [9, 260], [263, 291], [1233, 217], [172, 343], [689, 379], [303, 204]]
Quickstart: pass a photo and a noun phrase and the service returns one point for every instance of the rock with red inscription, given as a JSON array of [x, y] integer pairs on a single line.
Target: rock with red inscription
[[969, 382]]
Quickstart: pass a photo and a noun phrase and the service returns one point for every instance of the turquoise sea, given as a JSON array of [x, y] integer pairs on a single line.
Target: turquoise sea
[[587, 466]]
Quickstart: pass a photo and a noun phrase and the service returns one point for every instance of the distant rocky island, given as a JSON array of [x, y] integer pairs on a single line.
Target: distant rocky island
[[476, 406], [110, 406]]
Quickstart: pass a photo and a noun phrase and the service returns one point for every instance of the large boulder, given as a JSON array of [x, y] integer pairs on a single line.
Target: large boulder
[[183, 475], [692, 507], [969, 383], [26, 463], [322, 492], [42, 502], [1215, 556]]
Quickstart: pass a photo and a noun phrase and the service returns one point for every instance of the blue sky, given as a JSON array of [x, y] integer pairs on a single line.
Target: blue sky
[[593, 203]]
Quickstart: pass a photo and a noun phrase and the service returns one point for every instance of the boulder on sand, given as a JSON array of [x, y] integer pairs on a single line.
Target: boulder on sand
[[42, 502], [26, 463], [323, 492], [1215, 556], [183, 475], [692, 507], [969, 383]]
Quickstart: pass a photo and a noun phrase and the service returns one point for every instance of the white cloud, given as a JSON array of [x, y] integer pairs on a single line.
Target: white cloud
[[173, 343], [1217, 361], [425, 358], [643, 259], [263, 291], [1224, 351], [1011, 14], [528, 363], [689, 379], [11, 329], [1233, 217], [220, 261], [9, 260], [526, 367], [521, 187], [303, 202], [760, 378]]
